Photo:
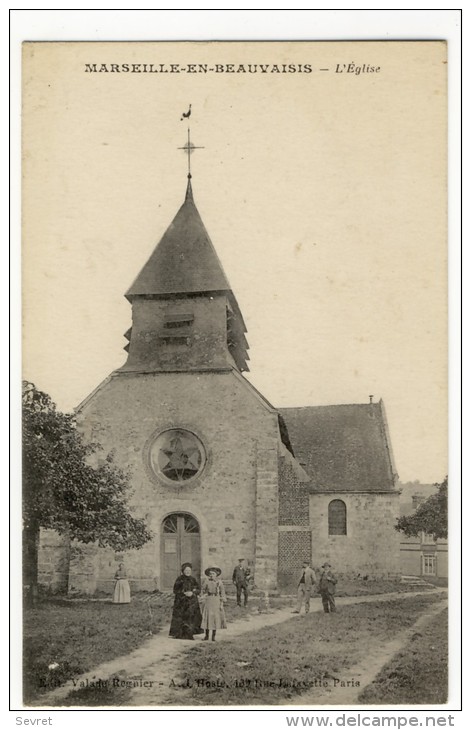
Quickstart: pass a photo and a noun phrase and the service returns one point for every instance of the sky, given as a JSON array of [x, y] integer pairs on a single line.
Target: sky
[[324, 194]]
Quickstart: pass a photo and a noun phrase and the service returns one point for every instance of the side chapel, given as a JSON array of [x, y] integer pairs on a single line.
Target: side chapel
[[218, 471]]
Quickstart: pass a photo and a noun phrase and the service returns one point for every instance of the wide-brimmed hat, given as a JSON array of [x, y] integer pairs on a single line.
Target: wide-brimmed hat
[[186, 565], [326, 565], [213, 570]]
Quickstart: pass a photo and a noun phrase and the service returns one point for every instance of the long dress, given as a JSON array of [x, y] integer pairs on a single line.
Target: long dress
[[122, 591], [186, 615], [213, 595]]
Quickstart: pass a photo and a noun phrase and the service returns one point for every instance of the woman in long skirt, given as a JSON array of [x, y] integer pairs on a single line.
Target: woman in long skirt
[[122, 591], [213, 598], [186, 615]]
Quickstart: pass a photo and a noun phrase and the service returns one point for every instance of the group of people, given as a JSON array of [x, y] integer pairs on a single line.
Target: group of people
[[325, 586], [201, 610], [198, 610]]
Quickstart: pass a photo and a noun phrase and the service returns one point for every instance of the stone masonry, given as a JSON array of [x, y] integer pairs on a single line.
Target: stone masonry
[[234, 499], [371, 545]]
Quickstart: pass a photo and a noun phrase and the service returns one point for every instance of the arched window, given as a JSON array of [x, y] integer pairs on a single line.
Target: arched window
[[337, 517]]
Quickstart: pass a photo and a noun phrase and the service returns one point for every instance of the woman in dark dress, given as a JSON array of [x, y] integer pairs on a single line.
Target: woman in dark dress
[[186, 615]]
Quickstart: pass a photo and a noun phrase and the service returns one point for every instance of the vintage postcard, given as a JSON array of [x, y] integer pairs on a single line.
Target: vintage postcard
[[235, 374]]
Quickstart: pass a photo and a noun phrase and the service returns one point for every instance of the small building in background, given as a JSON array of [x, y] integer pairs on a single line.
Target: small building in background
[[423, 555]]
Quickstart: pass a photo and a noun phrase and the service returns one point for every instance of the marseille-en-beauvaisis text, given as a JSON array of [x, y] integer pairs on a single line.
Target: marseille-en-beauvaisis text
[[198, 68]]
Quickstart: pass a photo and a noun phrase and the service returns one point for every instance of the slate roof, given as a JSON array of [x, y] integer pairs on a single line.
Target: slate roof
[[184, 261], [342, 447]]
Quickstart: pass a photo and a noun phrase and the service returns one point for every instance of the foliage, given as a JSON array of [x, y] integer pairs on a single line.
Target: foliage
[[430, 517], [63, 490]]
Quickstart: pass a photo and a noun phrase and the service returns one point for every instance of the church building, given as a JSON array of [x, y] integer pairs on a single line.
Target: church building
[[218, 472]]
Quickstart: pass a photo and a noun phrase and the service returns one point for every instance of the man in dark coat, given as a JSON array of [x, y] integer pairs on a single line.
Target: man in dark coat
[[327, 584], [240, 578]]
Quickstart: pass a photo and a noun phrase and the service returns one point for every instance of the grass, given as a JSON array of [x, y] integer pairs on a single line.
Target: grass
[[349, 587], [363, 587], [418, 674], [104, 696], [282, 662], [64, 638]]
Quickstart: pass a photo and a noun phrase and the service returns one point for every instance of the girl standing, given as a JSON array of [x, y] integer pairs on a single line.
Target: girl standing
[[213, 599], [122, 591]]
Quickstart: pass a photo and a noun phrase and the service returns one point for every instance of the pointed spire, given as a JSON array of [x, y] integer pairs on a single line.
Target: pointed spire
[[189, 191], [184, 261]]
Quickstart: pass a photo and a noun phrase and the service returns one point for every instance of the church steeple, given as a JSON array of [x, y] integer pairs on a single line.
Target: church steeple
[[185, 315], [189, 190], [184, 261]]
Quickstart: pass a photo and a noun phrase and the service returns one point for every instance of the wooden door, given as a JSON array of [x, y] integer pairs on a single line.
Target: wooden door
[[180, 543]]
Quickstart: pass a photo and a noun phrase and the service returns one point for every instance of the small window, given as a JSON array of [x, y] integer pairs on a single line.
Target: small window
[[188, 522], [177, 328], [174, 321], [429, 565], [337, 517], [428, 538]]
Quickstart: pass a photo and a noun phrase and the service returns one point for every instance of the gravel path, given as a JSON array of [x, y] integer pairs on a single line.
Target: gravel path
[[365, 671], [156, 664]]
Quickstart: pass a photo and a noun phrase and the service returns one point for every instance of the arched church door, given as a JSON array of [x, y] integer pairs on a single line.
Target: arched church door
[[180, 543]]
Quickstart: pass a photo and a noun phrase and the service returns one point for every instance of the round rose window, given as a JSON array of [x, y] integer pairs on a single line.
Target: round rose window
[[177, 455]]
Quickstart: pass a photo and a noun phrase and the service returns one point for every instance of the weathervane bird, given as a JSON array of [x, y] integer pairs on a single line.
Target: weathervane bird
[[186, 115]]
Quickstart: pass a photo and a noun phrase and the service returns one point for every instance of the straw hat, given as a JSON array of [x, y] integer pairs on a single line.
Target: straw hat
[[211, 570]]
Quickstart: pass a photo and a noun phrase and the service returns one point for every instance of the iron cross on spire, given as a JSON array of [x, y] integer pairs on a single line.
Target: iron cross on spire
[[189, 147]]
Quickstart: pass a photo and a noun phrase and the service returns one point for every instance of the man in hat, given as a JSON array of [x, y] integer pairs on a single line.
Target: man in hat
[[306, 583], [327, 583], [240, 578]]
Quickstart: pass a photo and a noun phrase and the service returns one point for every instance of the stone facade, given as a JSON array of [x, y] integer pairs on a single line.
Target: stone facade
[[371, 545], [234, 500], [201, 344]]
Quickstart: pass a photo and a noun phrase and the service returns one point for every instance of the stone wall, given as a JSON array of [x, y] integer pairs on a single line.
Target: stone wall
[[371, 545], [266, 510], [234, 497], [53, 561], [201, 344]]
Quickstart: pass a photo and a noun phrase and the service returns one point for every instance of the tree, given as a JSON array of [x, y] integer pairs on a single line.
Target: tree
[[63, 491], [430, 517]]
